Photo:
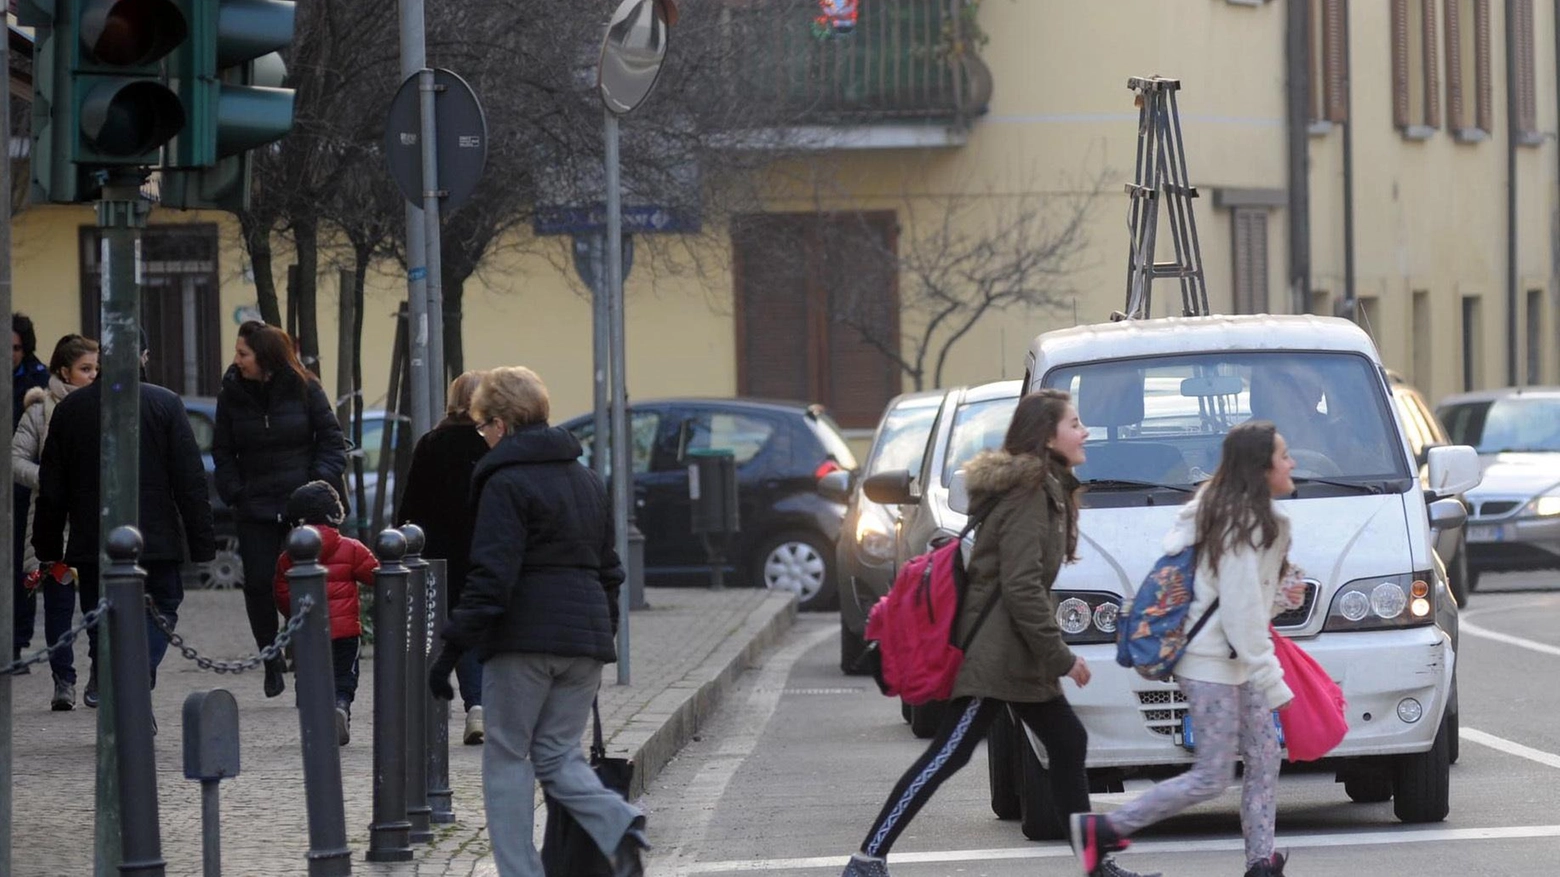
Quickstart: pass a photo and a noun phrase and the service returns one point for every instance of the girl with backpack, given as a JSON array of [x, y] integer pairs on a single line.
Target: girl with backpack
[[1228, 672], [1017, 658]]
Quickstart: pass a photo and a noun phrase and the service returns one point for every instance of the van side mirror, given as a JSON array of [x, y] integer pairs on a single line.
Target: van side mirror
[[1454, 469], [1423, 456], [959, 494], [836, 485], [1447, 514], [889, 488]]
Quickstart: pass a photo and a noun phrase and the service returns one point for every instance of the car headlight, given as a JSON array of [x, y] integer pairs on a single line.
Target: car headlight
[[1087, 617], [1382, 602], [1544, 506], [874, 535]]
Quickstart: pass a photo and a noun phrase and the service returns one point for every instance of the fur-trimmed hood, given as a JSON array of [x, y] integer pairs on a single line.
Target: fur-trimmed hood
[[35, 395], [996, 472]]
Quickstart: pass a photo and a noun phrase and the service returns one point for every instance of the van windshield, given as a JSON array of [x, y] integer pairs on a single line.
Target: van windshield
[[1162, 420]]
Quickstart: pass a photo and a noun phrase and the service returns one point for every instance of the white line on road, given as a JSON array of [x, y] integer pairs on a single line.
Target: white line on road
[[1055, 851], [1510, 747], [1465, 625]]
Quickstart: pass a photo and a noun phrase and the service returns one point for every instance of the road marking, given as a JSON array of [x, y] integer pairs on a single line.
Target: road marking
[[1510, 747], [1057, 851], [1464, 625]]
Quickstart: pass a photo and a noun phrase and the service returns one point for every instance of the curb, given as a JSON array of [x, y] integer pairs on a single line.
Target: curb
[[667, 725]]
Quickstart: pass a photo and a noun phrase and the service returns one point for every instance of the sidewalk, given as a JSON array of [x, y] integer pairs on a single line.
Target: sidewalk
[[685, 651]]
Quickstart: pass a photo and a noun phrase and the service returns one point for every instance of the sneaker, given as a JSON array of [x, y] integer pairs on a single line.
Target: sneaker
[[863, 865], [474, 728], [343, 726], [274, 683], [64, 696], [1092, 838], [1109, 868], [627, 861], [1270, 867], [90, 695]]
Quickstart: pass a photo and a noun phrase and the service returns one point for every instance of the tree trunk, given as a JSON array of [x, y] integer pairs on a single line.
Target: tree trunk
[[454, 351], [306, 238], [346, 344], [257, 240]]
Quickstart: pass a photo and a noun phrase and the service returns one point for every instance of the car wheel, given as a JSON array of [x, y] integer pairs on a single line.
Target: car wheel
[[1001, 747], [1453, 738], [1457, 571], [799, 563], [225, 571], [852, 648], [1368, 785], [1472, 578], [926, 718], [1422, 785], [1038, 817]]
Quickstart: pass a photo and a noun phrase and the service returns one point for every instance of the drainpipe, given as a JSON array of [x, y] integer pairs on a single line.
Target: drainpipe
[[1511, 197], [1348, 172], [1297, 56]]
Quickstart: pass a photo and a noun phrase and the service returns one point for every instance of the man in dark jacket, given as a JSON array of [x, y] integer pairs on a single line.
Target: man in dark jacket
[[540, 607], [27, 371], [175, 508]]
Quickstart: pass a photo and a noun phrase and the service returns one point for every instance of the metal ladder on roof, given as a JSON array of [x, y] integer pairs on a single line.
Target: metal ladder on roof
[[1161, 180]]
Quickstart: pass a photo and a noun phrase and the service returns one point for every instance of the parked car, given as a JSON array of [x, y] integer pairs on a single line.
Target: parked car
[[865, 553], [1515, 511], [226, 570], [788, 528], [969, 420], [1424, 431], [1158, 396]]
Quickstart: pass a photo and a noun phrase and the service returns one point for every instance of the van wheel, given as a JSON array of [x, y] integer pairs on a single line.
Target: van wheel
[[1473, 578], [1460, 582], [1423, 781], [1006, 789], [926, 718], [1368, 785], [1453, 738], [852, 647], [1038, 817]]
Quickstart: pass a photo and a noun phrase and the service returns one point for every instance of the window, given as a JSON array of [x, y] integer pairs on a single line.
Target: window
[[901, 440], [642, 429], [1423, 343], [1472, 350], [1249, 226], [1525, 98], [1329, 75], [1469, 95], [1535, 334], [977, 426], [1515, 423], [1416, 105], [741, 434], [205, 431]]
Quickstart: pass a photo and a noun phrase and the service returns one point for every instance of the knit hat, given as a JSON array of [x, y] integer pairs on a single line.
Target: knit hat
[[315, 503]]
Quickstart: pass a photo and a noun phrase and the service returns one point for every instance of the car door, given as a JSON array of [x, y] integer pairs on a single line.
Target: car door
[[646, 425], [661, 494]]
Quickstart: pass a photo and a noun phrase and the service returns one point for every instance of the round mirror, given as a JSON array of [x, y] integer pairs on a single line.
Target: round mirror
[[632, 52]]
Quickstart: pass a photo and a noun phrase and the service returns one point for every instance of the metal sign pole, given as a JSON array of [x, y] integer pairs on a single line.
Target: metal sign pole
[[622, 473], [7, 549], [428, 91], [413, 60]]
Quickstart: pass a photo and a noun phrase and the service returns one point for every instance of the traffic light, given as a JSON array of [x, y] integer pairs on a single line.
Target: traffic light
[[228, 76], [99, 99]]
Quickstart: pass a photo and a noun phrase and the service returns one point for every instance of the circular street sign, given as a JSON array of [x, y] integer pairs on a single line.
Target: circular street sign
[[632, 52], [460, 136]]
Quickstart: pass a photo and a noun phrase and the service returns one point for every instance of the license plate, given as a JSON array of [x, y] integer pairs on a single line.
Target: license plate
[[1186, 738], [1487, 533]]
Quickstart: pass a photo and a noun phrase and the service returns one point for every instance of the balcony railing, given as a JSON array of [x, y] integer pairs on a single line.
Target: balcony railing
[[904, 60]]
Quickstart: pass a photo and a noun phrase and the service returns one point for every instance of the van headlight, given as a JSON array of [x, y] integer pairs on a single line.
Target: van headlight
[[1382, 602], [1087, 617], [1546, 506], [874, 535]]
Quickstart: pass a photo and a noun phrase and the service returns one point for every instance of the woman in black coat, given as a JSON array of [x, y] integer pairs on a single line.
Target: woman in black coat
[[275, 432], [438, 499]]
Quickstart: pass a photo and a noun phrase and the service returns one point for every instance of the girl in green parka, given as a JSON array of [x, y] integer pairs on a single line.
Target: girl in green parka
[[1017, 658]]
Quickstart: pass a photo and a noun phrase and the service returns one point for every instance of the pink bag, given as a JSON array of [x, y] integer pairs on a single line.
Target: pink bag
[[1314, 723]]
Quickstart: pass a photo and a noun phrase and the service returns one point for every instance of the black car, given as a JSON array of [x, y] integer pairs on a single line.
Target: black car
[[788, 529]]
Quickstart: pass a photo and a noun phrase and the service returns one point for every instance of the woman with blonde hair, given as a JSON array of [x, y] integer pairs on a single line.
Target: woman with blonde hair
[[438, 499], [540, 609]]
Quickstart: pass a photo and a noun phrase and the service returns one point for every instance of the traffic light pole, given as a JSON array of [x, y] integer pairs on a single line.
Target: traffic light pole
[[413, 59]]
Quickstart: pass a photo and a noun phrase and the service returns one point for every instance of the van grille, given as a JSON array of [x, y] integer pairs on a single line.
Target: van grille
[[1162, 709], [1496, 507], [1298, 617]]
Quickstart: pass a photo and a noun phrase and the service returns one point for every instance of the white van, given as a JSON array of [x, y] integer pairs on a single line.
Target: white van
[[1158, 397]]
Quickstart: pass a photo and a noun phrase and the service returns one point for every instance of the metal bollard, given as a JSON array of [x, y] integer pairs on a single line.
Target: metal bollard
[[210, 756], [124, 583], [417, 810], [328, 854], [388, 834], [439, 792]]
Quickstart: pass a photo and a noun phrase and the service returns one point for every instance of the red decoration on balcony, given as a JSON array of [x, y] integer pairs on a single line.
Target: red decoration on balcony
[[836, 18]]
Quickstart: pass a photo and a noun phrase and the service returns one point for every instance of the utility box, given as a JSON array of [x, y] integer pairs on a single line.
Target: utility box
[[712, 489]]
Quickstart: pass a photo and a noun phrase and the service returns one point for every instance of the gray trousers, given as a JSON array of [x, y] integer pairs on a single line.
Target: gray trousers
[[536, 708]]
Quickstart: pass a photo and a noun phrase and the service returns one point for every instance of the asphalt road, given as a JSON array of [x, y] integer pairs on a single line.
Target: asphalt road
[[794, 767]]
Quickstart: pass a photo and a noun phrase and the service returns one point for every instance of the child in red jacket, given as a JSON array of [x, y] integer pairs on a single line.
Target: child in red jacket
[[348, 563]]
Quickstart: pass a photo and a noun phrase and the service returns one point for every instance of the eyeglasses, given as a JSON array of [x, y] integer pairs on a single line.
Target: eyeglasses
[[482, 427]]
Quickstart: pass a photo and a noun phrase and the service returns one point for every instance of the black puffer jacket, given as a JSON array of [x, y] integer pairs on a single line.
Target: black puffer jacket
[[271, 439], [175, 508], [438, 495], [544, 575]]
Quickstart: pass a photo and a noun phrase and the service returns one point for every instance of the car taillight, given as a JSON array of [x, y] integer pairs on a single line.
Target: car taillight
[[824, 468]]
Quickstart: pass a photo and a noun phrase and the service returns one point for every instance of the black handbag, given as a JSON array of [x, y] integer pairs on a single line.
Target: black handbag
[[567, 849]]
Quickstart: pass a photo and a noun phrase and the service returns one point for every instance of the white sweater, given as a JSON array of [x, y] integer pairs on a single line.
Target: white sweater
[[1247, 589]]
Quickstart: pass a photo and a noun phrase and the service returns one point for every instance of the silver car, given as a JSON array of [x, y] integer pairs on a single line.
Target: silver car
[[1514, 521]]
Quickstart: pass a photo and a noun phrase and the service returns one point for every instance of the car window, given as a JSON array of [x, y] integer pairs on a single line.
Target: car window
[[901, 440], [828, 433], [373, 442], [205, 431], [977, 426], [1163, 419], [1414, 425], [642, 427], [744, 435], [1512, 424]]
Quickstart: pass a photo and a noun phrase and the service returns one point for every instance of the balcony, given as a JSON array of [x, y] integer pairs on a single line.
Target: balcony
[[904, 75]]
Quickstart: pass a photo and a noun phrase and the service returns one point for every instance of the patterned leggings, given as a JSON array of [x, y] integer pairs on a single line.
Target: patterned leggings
[[1222, 715]]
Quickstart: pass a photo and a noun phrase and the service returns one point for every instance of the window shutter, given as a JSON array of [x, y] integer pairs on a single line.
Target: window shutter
[[859, 273], [1334, 13], [1527, 101], [773, 356], [1432, 71], [1315, 66], [1249, 226], [1399, 15], [1485, 96], [1455, 118]]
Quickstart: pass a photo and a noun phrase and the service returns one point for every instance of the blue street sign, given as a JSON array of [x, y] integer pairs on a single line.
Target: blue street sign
[[637, 219]]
